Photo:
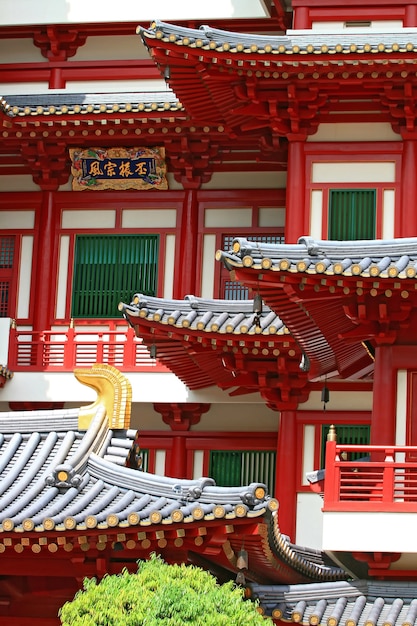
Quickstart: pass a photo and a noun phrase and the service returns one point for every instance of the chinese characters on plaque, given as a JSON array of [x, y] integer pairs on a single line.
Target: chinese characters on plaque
[[118, 168]]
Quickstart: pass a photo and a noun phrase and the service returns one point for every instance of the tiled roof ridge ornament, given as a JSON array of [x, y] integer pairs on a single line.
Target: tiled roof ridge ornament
[[188, 494], [114, 392]]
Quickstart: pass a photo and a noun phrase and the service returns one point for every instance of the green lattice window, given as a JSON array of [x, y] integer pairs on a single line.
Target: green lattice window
[[109, 269], [232, 468], [232, 289], [352, 214], [7, 253], [358, 434]]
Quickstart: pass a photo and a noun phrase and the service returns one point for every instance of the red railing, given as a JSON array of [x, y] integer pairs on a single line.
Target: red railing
[[66, 349], [384, 478]]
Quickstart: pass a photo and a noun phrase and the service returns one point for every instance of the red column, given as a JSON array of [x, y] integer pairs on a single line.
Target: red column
[[180, 418], [297, 214], [410, 18], [301, 18], [186, 260], [383, 419], [408, 219], [44, 268], [288, 451]]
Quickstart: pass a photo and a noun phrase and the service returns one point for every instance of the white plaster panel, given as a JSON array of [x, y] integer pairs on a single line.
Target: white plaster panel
[[160, 456], [23, 88], [351, 172], [17, 219], [240, 418], [4, 339], [387, 25], [62, 277], [17, 182], [115, 48], [308, 451], [358, 401], [149, 218], [378, 131], [369, 532], [316, 214], [79, 11], [20, 50], [217, 218], [207, 278], [198, 464], [169, 266], [309, 520], [23, 293], [388, 215], [401, 410], [271, 216], [88, 219], [116, 86], [243, 180]]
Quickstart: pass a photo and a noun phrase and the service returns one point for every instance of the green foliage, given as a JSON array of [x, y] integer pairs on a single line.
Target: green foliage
[[173, 595]]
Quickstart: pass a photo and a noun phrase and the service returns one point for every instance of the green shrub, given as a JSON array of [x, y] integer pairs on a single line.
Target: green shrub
[[173, 595]]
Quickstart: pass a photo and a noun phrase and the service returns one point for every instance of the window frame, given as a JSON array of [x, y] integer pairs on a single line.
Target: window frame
[[78, 314]]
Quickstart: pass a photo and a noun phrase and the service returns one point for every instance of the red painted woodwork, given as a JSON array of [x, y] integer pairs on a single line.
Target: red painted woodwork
[[388, 484], [407, 219], [287, 466], [82, 71], [384, 398], [63, 350], [297, 217], [186, 248]]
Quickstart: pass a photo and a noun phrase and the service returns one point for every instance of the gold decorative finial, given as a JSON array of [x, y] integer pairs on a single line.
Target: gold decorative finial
[[114, 392], [331, 435]]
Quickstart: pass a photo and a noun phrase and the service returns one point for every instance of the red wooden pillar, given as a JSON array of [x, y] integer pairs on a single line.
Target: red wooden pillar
[[301, 18], [297, 214], [288, 451], [180, 418], [410, 18], [186, 260], [408, 219], [44, 268], [383, 419]]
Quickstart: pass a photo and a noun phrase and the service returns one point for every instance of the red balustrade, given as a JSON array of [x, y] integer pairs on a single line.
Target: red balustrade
[[66, 349], [383, 478]]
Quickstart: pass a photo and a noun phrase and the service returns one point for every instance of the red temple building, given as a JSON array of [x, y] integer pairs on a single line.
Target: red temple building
[[210, 220]]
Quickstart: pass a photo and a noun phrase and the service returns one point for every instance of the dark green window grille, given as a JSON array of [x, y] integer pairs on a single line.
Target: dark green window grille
[[352, 434], [352, 214], [232, 289], [109, 269], [232, 468], [7, 249]]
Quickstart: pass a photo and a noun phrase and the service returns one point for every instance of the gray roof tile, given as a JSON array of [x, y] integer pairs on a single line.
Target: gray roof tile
[[396, 258], [311, 43], [357, 603], [87, 103]]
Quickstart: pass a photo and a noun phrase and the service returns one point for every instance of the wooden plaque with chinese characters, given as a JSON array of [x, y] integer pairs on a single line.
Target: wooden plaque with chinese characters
[[118, 168]]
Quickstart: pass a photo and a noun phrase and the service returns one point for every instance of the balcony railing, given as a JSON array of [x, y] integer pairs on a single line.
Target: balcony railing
[[384, 478], [66, 349]]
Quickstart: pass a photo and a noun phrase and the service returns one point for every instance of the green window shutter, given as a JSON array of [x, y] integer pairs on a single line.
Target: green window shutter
[[232, 468], [7, 250], [352, 214], [358, 434], [111, 268]]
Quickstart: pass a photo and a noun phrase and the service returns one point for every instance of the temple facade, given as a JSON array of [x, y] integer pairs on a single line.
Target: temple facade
[[220, 205]]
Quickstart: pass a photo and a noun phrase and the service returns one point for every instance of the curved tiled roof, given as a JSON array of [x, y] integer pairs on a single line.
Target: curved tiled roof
[[223, 342], [220, 317], [56, 477], [354, 603], [86, 103], [386, 259], [65, 487], [400, 42]]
